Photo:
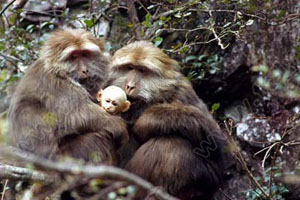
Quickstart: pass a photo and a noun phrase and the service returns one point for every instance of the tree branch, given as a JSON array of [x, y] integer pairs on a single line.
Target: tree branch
[[134, 19], [6, 7], [88, 170], [12, 172], [237, 154]]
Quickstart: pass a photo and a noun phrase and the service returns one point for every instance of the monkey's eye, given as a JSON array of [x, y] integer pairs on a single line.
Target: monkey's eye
[[85, 54], [114, 103], [129, 68], [141, 69], [107, 100], [73, 56]]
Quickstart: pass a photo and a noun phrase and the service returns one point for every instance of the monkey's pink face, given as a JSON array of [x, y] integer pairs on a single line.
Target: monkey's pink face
[[85, 64], [82, 61]]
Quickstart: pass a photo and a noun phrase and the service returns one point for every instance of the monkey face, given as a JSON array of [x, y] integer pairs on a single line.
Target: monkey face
[[144, 72], [77, 55], [134, 80], [113, 100], [112, 106]]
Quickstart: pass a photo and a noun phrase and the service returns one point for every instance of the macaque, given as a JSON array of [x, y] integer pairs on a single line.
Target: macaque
[[113, 100], [179, 145], [53, 111]]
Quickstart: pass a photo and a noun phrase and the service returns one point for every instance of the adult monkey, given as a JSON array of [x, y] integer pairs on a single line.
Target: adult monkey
[[52, 112], [180, 146]]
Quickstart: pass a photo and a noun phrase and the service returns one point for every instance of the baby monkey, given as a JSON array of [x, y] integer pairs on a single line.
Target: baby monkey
[[113, 100]]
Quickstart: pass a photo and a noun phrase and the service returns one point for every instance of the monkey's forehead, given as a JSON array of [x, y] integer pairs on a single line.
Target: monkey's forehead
[[114, 96], [117, 91], [143, 53], [77, 38]]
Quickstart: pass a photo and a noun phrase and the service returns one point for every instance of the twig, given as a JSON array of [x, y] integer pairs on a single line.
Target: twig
[[229, 11], [268, 153], [142, 5], [218, 39], [12, 172], [237, 154], [107, 190], [226, 195], [134, 19], [4, 189], [11, 58], [88, 170], [6, 7], [20, 4]]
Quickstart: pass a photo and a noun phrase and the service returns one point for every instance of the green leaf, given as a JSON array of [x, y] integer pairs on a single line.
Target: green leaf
[[263, 82], [147, 24], [260, 68], [131, 189], [277, 74], [163, 18], [227, 24], [215, 107], [148, 17], [281, 13], [249, 22], [158, 41], [112, 195], [30, 28], [285, 76], [130, 25], [1, 46], [189, 58], [201, 57], [178, 15], [187, 14], [89, 23], [122, 191]]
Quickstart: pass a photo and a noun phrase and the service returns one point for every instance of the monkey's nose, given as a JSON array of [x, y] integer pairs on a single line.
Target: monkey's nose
[[85, 71], [129, 89]]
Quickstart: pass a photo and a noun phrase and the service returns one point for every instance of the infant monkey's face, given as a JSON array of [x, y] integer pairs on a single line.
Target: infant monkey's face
[[113, 100], [111, 104]]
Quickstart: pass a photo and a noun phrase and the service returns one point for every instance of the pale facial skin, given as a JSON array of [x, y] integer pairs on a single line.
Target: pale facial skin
[[113, 100]]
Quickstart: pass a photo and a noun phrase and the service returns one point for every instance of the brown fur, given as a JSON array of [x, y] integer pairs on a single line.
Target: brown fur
[[52, 114], [170, 124]]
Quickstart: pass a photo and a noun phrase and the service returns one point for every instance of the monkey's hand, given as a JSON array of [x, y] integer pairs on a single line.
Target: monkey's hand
[[92, 118], [175, 119]]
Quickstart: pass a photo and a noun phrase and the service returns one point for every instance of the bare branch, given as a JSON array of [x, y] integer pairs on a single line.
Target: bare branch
[[237, 154], [134, 19], [6, 7], [19, 4], [88, 170], [4, 189], [12, 172]]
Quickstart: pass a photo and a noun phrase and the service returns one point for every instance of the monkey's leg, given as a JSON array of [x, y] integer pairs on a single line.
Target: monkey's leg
[[91, 147]]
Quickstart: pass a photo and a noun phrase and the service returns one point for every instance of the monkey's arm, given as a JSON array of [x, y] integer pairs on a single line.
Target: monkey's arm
[[175, 119], [33, 128], [90, 117]]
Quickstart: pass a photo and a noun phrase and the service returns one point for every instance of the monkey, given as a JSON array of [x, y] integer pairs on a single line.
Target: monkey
[[113, 100], [53, 111], [178, 144]]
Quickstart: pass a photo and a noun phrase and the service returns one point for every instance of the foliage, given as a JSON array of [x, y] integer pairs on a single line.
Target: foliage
[[199, 34], [188, 26], [276, 190]]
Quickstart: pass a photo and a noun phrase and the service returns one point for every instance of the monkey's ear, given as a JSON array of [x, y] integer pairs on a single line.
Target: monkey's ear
[[126, 106], [99, 95]]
